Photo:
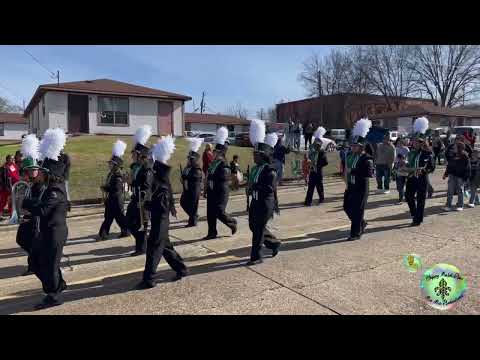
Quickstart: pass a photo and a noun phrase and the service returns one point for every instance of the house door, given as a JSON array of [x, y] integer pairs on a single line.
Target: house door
[[165, 118], [78, 113]]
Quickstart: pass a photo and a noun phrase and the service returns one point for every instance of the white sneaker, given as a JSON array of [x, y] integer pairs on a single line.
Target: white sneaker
[[471, 205], [386, 192], [446, 208], [459, 209]]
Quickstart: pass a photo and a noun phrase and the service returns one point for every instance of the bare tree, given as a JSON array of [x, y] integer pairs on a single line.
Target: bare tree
[[238, 110], [448, 73], [7, 107], [261, 114], [272, 114], [387, 70]]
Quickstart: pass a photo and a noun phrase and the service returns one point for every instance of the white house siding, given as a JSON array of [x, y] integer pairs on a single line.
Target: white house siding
[[178, 118], [141, 111], [57, 109], [13, 131], [203, 127]]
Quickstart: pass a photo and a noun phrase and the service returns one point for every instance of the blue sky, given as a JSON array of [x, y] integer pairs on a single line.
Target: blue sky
[[256, 76]]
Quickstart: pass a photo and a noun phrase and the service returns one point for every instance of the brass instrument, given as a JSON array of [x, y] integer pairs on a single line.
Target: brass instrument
[[141, 208], [20, 191]]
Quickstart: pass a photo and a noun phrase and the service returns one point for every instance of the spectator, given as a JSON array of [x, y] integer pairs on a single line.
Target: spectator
[[279, 154], [430, 190], [291, 134], [308, 133], [474, 179], [451, 149], [9, 176], [438, 147], [401, 175], [18, 159], [385, 157], [207, 158], [401, 149], [458, 172], [297, 135], [234, 170]]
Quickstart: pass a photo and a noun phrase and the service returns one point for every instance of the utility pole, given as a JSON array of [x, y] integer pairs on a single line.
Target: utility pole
[[23, 105], [58, 77], [202, 103]]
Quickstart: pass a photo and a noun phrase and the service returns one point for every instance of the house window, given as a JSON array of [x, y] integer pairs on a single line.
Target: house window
[[113, 111], [2, 129]]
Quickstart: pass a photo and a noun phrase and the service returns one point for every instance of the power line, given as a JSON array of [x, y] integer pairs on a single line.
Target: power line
[[11, 92], [39, 63]]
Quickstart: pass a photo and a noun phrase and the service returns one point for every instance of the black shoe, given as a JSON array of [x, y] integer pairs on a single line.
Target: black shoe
[[137, 253], [47, 302], [27, 272], [321, 201], [353, 238], [254, 262], [364, 225], [69, 206], [234, 229], [146, 284], [275, 251], [102, 236], [307, 204], [414, 223], [124, 234], [189, 225], [209, 237], [179, 275]]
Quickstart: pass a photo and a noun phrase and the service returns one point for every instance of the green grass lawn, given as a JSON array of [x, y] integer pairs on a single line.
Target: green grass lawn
[[89, 156]]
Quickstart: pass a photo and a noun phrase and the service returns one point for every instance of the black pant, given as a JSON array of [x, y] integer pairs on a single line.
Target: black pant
[[308, 140], [134, 224], [437, 156], [257, 220], [189, 203], [158, 244], [216, 210], [354, 202], [416, 186], [315, 181], [25, 236], [113, 211], [45, 259]]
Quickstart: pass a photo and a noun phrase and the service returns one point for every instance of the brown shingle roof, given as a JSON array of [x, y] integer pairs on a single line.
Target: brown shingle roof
[[103, 86], [421, 110], [12, 118], [213, 119]]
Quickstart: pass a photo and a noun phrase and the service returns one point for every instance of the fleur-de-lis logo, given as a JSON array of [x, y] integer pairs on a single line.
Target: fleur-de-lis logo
[[410, 260], [442, 290]]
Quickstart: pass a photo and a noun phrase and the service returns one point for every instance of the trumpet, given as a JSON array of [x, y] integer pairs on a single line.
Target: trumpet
[[17, 200]]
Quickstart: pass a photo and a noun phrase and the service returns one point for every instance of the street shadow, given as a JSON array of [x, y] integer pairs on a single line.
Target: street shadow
[[432, 210]]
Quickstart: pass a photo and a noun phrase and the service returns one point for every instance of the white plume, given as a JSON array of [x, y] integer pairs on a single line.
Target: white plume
[[257, 131], [362, 127], [163, 150], [420, 125], [271, 139], [222, 135], [52, 143], [119, 148], [194, 143], [142, 134], [31, 147], [318, 134]]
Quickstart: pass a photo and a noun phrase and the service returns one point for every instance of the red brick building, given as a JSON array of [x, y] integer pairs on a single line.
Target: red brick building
[[340, 111]]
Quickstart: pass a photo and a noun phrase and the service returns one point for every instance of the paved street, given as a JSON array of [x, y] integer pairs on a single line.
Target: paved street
[[316, 272]]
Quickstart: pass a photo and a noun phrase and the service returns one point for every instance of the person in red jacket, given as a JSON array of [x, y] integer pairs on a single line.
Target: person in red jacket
[[469, 137], [207, 158], [10, 176]]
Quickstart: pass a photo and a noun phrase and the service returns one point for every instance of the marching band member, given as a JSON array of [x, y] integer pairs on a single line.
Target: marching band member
[[141, 182], [29, 227], [192, 182], [420, 164], [161, 205], [51, 208], [263, 189], [113, 190], [318, 158], [218, 189], [358, 170]]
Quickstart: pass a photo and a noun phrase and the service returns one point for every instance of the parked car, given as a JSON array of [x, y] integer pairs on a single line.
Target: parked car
[[208, 138], [243, 139]]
